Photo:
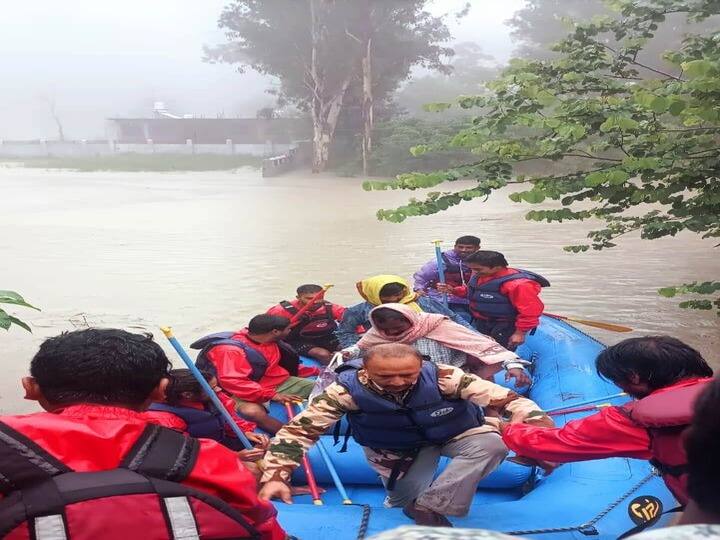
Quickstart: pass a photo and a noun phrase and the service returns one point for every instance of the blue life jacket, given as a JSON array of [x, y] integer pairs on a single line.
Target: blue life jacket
[[487, 301], [204, 423], [257, 361], [425, 418]]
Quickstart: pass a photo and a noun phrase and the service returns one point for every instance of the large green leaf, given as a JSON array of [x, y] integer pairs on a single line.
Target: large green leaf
[[11, 297], [698, 68], [7, 320]]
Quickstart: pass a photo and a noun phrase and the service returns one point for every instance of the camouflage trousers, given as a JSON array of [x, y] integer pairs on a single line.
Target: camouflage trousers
[[472, 458]]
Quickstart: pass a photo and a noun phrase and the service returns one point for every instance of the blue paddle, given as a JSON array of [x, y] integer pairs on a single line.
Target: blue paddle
[[205, 386], [440, 267]]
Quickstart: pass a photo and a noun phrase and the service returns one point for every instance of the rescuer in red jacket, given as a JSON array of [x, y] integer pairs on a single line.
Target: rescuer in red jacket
[[95, 385], [504, 302], [702, 444], [665, 376], [255, 366]]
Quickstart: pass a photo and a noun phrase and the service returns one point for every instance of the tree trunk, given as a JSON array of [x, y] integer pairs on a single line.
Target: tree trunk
[[326, 103], [325, 118], [367, 105], [367, 84], [58, 123]]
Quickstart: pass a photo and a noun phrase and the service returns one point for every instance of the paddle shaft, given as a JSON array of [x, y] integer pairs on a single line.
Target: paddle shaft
[[295, 319], [440, 268], [333, 472], [330, 465], [206, 387], [579, 409], [312, 483], [586, 402], [597, 324]]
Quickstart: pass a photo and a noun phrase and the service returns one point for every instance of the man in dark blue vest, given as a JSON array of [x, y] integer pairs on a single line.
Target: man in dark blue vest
[[406, 412], [504, 302]]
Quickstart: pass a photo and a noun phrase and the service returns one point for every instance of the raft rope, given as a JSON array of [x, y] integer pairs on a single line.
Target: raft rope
[[588, 528], [364, 521]]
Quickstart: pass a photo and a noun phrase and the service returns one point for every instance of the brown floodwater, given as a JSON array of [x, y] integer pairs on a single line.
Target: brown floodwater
[[206, 251]]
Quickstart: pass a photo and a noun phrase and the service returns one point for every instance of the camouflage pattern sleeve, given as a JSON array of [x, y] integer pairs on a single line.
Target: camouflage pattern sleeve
[[495, 399], [297, 436]]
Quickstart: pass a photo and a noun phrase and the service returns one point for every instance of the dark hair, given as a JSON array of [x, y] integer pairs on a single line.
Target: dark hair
[[487, 258], [468, 240], [308, 288], [99, 365], [182, 381], [385, 314], [392, 289], [702, 445], [262, 324], [658, 361]]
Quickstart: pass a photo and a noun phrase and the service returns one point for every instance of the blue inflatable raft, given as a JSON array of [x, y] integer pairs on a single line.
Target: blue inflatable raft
[[592, 500]]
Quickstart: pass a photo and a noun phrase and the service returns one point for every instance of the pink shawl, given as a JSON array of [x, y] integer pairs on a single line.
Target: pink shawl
[[441, 329]]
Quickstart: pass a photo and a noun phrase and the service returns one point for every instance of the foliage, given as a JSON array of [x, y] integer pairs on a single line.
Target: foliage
[[471, 68], [695, 288], [637, 147], [7, 320], [396, 137], [541, 23], [276, 38]]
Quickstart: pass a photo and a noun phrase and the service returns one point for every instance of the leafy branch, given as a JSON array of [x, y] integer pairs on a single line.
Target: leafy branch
[[637, 153], [7, 320]]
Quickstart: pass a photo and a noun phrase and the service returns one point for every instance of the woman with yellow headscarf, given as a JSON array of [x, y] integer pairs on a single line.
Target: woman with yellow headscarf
[[385, 289]]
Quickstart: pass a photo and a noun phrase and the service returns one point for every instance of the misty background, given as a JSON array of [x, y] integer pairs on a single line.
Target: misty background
[[92, 60]]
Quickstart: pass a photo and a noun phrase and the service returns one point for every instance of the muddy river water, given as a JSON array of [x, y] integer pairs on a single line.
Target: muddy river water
[[206, 251]]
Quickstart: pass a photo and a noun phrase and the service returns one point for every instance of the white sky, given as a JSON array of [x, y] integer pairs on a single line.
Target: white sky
[[96, 58]]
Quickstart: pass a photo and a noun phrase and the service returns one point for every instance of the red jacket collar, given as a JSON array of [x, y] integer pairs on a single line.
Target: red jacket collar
[[94, 410], [501, 273], [681, 384]]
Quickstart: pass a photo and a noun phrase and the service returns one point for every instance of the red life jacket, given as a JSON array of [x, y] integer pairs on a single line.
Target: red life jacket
[[315, 324], [45, 499], [666, 415]]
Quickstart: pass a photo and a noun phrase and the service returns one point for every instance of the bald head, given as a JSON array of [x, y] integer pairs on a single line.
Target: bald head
[[395, 367], [390, 352]]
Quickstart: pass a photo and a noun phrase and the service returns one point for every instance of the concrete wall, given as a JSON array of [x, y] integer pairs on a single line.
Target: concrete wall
[[20, 149], [208, 130]]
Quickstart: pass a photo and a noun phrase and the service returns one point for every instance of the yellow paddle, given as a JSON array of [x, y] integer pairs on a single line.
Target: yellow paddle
[[596, 324]]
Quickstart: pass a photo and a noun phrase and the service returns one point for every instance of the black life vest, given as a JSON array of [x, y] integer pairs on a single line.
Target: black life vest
[[42, 496], [318, 324]]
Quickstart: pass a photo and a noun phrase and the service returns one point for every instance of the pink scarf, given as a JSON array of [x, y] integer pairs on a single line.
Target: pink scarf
[[441, 329]]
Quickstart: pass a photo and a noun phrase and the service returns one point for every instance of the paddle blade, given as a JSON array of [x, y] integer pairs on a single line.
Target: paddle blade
[[603, 325]]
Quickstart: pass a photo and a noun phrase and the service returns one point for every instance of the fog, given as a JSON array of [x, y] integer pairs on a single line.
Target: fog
[[94, 60]]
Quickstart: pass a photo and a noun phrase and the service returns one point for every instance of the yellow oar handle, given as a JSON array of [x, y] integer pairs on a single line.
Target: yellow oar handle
[[167, 331], [436, 242]]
